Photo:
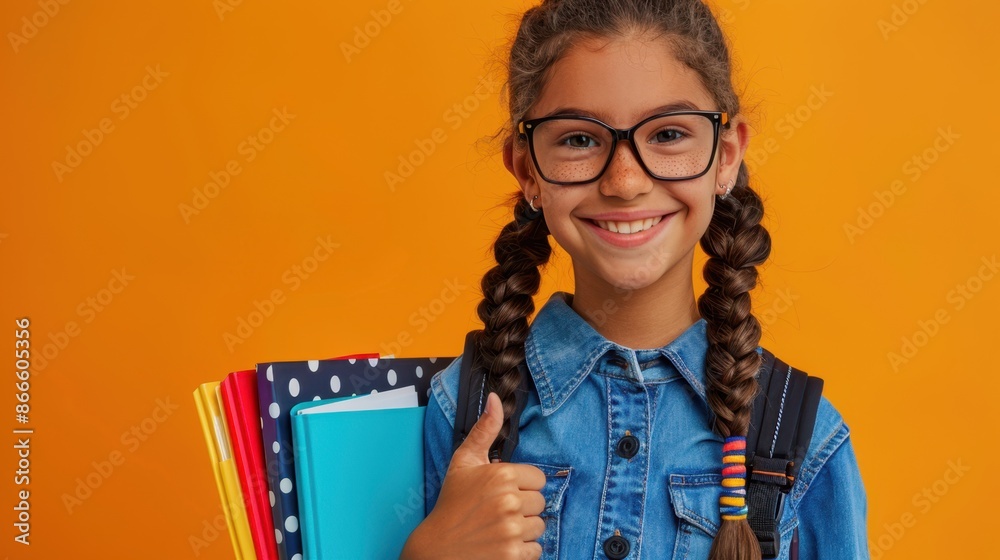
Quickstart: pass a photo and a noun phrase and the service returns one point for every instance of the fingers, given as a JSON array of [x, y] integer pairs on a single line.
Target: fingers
[[534, 528], [532, 503], [529, 477], [476, 447], [531, 551]]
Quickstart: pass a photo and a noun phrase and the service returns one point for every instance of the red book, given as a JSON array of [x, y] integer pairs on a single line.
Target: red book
[[239, 401]]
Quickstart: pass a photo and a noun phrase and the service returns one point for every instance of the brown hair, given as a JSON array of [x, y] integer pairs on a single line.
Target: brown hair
[[736, 242]]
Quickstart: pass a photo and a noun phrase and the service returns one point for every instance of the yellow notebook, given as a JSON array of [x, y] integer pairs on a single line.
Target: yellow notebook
[[220, 451]]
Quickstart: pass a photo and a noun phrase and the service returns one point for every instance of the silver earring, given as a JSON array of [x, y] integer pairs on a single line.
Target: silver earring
[[525, 217], [729, 189]]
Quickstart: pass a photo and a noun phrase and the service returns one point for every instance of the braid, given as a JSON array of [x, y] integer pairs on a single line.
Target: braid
[[736, 244], [507, 303]]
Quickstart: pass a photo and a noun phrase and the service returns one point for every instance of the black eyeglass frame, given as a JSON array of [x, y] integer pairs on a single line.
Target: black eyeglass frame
[[526, 128]]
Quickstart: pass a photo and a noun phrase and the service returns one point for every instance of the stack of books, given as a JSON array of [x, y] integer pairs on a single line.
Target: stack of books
[[320, 459]]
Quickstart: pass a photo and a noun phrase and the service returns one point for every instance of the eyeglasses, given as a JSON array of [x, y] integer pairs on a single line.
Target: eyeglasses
[[573, 150]]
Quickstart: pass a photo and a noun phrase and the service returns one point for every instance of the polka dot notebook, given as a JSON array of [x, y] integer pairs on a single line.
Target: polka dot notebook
[[282, 385]]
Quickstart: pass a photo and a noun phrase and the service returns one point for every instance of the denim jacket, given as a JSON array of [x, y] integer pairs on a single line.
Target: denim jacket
[[588, 393]]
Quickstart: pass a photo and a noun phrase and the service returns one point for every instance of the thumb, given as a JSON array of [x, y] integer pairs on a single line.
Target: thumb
[[476, 447]]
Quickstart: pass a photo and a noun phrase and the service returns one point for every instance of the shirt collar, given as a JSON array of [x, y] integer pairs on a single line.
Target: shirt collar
[[562, 349]]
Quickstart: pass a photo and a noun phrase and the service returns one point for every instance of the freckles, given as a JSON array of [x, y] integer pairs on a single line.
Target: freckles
[[619, 172], [682, 165], [573, 171]]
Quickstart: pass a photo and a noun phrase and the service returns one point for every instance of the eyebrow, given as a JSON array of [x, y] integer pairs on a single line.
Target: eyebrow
[[680, 105]]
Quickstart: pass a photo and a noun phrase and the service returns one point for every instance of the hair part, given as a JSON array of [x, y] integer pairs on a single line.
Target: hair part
[[736, 242]]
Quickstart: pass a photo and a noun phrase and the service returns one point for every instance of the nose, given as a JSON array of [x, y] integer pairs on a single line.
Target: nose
[[624, 176]]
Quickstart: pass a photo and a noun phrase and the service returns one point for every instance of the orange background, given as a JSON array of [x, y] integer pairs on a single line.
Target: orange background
[[834, 303]]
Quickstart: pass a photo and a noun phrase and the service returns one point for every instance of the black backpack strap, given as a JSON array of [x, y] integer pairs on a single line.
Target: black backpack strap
[[470, 390], [472, 399], [781, 426]]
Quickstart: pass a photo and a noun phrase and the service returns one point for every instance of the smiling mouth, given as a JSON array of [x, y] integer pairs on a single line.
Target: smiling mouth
[[634, 226]]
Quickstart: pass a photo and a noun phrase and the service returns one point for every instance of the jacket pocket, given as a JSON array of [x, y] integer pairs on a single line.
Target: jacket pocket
[[695, 500], [554, 492]]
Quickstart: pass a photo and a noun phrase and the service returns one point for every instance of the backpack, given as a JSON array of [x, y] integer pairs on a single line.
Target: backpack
[[781, 426]]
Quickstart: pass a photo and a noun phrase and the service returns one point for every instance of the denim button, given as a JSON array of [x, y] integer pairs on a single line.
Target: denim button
[[616, 547], [628, 446]]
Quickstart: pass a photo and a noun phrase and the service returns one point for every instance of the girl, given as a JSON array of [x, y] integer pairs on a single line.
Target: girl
[[627, 141]]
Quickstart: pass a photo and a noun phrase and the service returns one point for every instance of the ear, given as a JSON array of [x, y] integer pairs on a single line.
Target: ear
[[517, 160], [732, 147]]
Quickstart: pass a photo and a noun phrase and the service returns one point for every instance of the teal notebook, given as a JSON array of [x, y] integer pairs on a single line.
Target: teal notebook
[[360, 475]]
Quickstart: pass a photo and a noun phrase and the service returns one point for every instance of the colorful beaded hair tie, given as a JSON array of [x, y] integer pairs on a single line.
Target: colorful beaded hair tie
[[733, 502]]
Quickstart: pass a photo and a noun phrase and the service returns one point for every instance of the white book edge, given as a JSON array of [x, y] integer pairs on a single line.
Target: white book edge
[[404, 397]]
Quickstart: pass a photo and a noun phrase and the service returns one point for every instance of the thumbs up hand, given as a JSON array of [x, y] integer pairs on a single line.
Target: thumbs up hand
[[475, 449], [485, 510]]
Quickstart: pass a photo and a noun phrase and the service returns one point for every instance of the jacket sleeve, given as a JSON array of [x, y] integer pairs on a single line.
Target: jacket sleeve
[[439, 421], [833, 511]]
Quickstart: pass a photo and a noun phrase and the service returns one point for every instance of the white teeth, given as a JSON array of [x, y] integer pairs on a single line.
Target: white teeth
[[629, 227]]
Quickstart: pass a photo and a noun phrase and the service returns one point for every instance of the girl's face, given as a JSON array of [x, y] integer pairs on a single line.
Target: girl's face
[[622, 81]]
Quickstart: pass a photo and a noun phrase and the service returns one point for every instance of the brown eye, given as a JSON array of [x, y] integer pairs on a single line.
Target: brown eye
[[579, 141], [669, 135]]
